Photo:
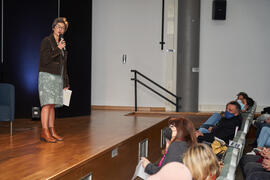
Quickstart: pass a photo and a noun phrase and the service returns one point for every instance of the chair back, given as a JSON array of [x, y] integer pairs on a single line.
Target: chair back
[[7, 98]]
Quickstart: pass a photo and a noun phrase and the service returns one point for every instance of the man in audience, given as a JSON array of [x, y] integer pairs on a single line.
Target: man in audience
[[243, 100], [225, 128]]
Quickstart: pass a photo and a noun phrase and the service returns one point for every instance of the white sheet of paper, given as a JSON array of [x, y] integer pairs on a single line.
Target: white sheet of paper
[[140, 172], [66, 97], [219, 140]]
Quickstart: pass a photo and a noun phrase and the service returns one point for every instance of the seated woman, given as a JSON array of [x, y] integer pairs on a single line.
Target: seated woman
[[202, 162], [241, 96], [249, 102], [244, 101], [241, 99], [182, 138]]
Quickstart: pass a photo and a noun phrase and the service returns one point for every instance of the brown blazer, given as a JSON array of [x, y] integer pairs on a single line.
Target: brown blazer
[[52, 59]]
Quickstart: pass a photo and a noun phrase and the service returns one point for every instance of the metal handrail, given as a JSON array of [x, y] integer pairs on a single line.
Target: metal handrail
[[176, 104]]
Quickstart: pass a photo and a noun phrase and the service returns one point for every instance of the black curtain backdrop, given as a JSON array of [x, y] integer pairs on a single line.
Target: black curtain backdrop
[[26, 23], [78, 37], [1, 65]]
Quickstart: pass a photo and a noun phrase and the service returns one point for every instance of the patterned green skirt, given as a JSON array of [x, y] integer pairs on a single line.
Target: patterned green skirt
[[50, 88]]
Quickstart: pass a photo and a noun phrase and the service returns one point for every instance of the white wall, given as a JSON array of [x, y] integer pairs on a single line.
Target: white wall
[[131, 27], [235, 53]]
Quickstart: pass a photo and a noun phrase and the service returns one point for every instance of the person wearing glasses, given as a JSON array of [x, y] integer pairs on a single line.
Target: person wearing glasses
[[182, 137], [53, 78]]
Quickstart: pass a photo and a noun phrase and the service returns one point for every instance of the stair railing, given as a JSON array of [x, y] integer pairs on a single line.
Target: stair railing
[[136, 80]]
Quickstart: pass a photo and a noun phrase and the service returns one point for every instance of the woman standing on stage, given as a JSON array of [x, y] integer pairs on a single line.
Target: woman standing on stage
[[53, 78]]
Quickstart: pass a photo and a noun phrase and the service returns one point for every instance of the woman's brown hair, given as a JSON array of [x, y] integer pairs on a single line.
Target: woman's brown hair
[[185, 130], [60, 20]]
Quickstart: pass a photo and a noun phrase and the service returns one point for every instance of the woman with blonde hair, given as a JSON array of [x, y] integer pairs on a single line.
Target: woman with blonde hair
[[202, 162]]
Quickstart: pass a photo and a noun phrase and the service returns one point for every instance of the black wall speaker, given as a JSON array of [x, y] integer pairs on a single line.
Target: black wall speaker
[[219, 9]]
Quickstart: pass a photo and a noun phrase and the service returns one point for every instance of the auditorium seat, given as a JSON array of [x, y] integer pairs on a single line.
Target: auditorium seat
[[7, 103]]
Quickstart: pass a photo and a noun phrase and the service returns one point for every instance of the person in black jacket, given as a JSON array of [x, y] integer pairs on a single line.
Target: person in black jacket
[[182, 137], [53, 78], [225, 129]]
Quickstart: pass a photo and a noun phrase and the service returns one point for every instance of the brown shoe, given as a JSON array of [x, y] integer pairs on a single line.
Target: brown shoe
[[54, 135], [45, 136]]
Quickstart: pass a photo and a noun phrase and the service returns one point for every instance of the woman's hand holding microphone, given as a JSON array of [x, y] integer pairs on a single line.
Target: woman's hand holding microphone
[[62, 44]]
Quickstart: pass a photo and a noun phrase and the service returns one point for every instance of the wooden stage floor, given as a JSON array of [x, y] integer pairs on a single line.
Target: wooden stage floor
[[24, 156]]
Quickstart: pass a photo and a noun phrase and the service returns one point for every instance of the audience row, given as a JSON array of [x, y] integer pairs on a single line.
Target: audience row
[[187, 153]]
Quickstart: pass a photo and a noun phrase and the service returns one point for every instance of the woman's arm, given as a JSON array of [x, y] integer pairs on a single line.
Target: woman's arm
[[151, 169]]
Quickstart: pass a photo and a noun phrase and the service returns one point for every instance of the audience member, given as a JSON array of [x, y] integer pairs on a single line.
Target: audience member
[[244, 101], [202, 162], [172, 171], [264, 138], [183, 138], [256, 166], [225, 128], [248, 104], [241, 96], [259, 123], [241, 99]]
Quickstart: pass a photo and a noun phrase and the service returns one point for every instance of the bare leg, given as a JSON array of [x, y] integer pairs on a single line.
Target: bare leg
[[45, 116], [51, 115]]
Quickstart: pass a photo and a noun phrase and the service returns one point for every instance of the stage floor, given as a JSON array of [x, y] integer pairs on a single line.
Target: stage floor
[[24, 156]]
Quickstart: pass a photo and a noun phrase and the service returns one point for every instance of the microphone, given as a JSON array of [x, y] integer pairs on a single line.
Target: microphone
[[61, 36]]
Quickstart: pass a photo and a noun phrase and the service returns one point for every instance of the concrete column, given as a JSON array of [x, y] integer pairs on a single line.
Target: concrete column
[[188, 54]]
